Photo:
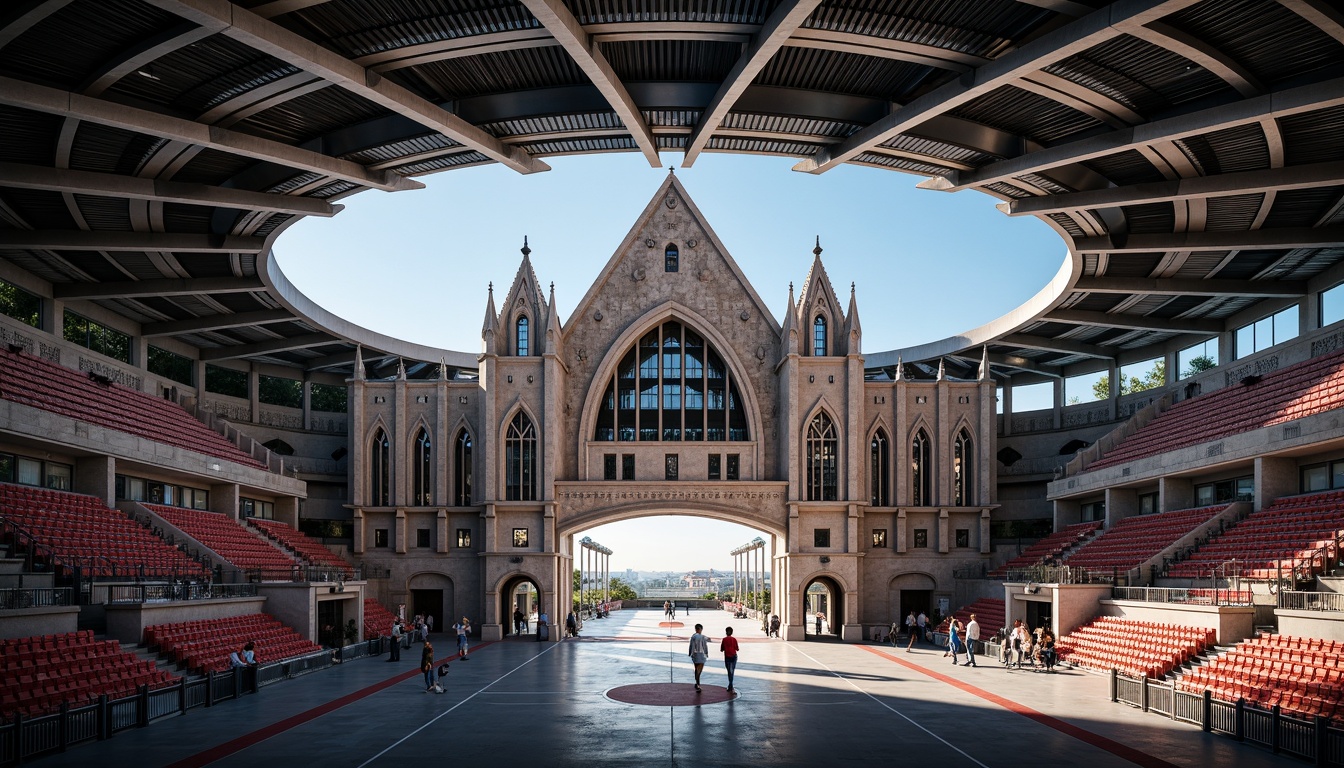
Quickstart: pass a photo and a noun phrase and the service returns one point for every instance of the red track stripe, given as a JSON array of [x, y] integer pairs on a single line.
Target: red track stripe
[[256, 737], [1097, 740]]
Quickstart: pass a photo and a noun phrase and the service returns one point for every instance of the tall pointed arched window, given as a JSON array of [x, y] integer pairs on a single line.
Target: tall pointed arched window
[[963, 477], [423, 479], [380, 470], [520, 336], [671, 386], [520, 460], [879, 470], [819, 337], [822, 459], [921, 470], [462, 469]]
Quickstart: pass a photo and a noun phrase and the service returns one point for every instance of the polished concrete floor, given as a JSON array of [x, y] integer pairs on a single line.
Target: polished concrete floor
[[815, 703]]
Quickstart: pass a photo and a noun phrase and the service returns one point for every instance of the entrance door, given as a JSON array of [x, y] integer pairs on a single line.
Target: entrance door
[[429, 602], [917, 600], [1038, 615], [330, 621]]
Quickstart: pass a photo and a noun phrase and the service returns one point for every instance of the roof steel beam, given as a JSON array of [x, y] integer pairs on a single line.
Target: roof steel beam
[[80, 240], [268, 347], [166, 287], [271, 38], [457, 47], [1220, 185], [216, 322], [1095, 28], [1132, 322], [1274, 105], [40, 98], [22, 16], [23, 176], [885, 48], [1324, 15], [1201, 53], [560, 22], [786, 18], [1178, 287], [1282, 237], [1063, 346]]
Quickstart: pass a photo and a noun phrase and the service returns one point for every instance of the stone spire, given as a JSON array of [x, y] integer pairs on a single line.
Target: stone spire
[[942, 374], [359, 363], [900, 369], [443, 369], [984, 364], [853, 331], [552, 325], [401, 369], [790, 333], [491, 324]]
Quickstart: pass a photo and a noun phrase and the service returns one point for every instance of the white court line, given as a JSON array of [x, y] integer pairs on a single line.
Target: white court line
[[449, 710], [889, 708]]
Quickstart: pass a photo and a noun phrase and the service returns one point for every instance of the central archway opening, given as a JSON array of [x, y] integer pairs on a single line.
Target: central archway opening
[[679, 568]]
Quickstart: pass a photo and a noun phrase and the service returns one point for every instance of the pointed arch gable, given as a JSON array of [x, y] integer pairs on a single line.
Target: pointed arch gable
[[670, 310], [373, 426]]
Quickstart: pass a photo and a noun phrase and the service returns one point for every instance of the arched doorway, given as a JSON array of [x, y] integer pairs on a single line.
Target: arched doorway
[[910, 592], [432, 595], [519, 597], [823, 608]]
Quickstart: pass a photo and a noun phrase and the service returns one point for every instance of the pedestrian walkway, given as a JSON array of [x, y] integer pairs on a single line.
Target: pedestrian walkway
[[518, 701]]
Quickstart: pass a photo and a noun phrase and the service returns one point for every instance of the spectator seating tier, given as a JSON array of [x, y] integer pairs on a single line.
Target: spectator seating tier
[[1135, 648], [377, 619], [1272, 541], [38, 383], [1135, 540], [43, 672], [1049, 548], [1304, 389], [302, 545], [234, 542], [1303, 676], [204, 646], [989, 614], [82, 531]]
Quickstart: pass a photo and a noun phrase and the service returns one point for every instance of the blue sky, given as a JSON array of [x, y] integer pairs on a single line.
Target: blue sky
[[415, 265]]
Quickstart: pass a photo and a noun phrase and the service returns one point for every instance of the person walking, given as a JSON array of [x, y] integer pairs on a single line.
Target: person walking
[[911, 627], [820, 619], [519, 622], [972, 637], [923, 622], [953, 639], [395, 653], [774, 626], [667, 609], [427, 666], [699, 653], [543, 626], [571, 625], [463, 628], [429, 624], [729, 649]]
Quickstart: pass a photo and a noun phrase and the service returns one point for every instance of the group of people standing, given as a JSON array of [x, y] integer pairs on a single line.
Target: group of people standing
[[670, 608], [1034, 648]]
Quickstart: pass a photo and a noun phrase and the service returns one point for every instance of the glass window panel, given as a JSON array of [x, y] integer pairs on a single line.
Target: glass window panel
[[1337, 474], [30, 471], [1332, 305], [58, 476], [1245, 340], [6, 468], [1315, 478]]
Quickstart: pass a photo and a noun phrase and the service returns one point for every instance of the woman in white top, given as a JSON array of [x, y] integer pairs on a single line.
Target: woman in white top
[[699, 653]]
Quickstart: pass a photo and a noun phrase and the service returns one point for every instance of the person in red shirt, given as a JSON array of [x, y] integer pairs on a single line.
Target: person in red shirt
[[729, 649]]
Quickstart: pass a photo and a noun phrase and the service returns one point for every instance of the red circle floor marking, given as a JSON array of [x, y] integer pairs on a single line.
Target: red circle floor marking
[[670, 694], [670, 624]]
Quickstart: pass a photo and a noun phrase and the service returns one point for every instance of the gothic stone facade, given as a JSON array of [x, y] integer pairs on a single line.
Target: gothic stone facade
[[672, 389]]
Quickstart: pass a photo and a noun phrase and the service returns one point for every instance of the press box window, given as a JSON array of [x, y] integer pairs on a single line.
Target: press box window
[[821, 537], [627, 466], [963, 537], [733, 462], [921, 538], [422, 537], [464, 538], [670, 466], [715, 466], [879, 538], [380, 537], [609, 466], [520, 537]]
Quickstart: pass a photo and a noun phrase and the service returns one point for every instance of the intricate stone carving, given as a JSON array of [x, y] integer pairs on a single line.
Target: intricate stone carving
[[1257, 368], [229, 411], [115, 374], [637, 275], [276, 419], [671, 201]]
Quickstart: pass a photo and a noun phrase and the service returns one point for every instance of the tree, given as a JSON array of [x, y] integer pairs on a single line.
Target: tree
[[1155, 377], [1199, 365]]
